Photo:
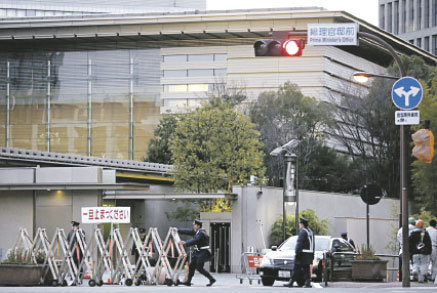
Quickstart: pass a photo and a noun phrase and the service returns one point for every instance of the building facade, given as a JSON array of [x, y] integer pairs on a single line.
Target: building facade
[[97, 85], [47, 8], [412, 20]]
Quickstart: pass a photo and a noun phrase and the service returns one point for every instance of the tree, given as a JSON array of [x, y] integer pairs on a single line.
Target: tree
[[319, 227], [215, 147], [425, 175], [284, 115], [365, 127], [328, 170], [158, 150]]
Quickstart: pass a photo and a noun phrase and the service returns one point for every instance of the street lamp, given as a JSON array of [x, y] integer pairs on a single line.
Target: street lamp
[[403, 169], [363, 77], [289, 192]]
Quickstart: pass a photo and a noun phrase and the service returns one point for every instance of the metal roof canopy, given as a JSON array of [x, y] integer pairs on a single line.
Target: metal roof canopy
[[74, 186], [141, 195], [201, 28]]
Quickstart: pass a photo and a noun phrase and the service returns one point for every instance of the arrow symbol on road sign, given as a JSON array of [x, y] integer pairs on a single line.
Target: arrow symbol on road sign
[[413, 91]]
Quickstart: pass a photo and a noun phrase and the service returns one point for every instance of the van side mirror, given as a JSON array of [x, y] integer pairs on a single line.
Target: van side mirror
[[274, 248]]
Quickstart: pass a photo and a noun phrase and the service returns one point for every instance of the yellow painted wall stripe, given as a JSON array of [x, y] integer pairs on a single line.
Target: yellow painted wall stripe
[[145, 177]]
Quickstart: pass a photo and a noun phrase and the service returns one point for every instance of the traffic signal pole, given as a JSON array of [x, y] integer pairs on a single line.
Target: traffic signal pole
[[275, 47], [403, 169]]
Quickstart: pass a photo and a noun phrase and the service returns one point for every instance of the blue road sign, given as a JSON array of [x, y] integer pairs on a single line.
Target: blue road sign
[[407, 93]]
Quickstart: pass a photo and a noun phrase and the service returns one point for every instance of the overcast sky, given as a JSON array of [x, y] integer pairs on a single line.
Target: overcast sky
[[367, 10]]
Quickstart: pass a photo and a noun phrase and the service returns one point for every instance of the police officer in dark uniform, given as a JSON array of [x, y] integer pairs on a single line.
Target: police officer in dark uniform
[[201, 252], [304, 255], [77, 253], [134, 250]]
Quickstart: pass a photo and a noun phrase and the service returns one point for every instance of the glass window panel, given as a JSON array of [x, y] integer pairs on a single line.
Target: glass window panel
[[175, 88], [110, 86], [147, 74], [195, 102], [146, 112], [110, 140], [200, 72], [220, 72], [175, 73], [143, 133], [200, 57], [198, 87], [28, 88], [29, 136], [217, 87], [69, 100], [174, 103], [175, 58], [69, 138], [220, 57]]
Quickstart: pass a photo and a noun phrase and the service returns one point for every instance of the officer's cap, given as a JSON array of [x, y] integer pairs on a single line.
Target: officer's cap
[[141, 230], [303, 221], [74, 223], [197, 222], [344, 234]]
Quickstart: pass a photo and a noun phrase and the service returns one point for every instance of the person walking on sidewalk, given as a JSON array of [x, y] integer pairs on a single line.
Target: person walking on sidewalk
[[304, 255], [432, 231], [420, 249], [411, 227], [201, 252]]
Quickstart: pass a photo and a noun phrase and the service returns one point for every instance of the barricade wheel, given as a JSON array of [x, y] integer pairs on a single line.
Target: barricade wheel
[[55, 283], [100, 283], [137, 283], [168, 282], [241, 281], [91, 283], [64, 283], [128, 282]]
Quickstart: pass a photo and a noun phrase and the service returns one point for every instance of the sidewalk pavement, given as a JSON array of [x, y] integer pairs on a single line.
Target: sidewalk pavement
[[231, 279]]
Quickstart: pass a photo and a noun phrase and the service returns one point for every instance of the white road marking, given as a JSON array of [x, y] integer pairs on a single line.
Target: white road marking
[[317, 285]]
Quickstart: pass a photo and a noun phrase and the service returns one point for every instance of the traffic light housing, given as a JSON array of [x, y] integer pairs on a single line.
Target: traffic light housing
[[279, 47], [423, 145]]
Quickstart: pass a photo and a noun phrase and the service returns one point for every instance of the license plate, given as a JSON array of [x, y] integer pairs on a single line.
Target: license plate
[[284, 274]]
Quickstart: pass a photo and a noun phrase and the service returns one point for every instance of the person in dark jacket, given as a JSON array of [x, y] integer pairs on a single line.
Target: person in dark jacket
[[134, 250], [351, 242], [201, 253], [420, 250], [75, 248], [304, 255]]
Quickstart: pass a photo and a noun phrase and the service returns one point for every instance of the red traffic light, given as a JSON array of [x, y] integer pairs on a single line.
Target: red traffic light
[[292, 48], [279, 47]]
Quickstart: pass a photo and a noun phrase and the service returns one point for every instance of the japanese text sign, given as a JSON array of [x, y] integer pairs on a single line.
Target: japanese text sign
[[97, 215], [332, 34]]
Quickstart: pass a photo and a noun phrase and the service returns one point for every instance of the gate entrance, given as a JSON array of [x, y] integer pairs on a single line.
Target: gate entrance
[[220, 245]]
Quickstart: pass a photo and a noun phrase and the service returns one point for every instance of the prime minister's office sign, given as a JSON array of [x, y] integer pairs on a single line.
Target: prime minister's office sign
[[332, 34], [98, 215]]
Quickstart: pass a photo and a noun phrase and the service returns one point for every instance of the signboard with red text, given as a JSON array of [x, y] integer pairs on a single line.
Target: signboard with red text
[[98, 215]]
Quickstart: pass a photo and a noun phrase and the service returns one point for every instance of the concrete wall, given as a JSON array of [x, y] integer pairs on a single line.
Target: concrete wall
[[58, 208], [45, 208], [16, 211], [256, 210]]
